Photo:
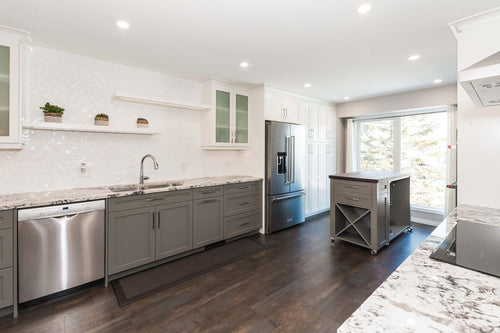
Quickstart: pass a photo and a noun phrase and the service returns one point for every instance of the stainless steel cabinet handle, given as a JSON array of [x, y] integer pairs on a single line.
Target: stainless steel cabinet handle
[[289, 197], [155, 199], [210, 200], [159, 220], [207, 192], [153, 213], [353, 199], [353, 186], [245, 203], [243, 224], [243, 187]]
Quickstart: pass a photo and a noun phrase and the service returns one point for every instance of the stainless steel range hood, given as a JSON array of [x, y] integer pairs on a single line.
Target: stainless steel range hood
[[481, 81]]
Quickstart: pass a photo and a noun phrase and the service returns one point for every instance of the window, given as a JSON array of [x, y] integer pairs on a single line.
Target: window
[[413, 144]]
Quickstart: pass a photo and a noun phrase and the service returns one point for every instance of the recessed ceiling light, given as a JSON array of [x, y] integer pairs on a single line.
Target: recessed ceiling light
[[364, 8], [346, 98], [414, 57], [307, 85], [438, 81], [244, 64], [123, 24]]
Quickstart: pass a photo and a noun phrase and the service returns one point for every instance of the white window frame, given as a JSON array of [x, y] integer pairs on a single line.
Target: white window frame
[[396, 115]]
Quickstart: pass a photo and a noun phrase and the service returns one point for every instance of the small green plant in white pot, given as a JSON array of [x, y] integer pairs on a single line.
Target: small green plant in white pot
[[101, 119], [52, 113]]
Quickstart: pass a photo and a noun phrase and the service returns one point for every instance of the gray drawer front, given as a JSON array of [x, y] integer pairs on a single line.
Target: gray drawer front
[[352, 187], [6, 248], [6, 287], [243, 187], [242, 203], [146, 200], [6, 219], [353, 200], [241, 224], [207, 192]]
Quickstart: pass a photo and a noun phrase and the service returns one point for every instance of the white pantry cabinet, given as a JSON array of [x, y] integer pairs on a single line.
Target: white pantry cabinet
[[11, 83], [280, 106], [226, 126], [319, 120]]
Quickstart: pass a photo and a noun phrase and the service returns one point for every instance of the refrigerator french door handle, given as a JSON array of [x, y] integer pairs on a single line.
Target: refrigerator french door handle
[[288, 155], [293, 160]]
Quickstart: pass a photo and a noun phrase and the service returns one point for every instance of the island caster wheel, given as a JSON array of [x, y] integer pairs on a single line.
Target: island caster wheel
[[410, 229], [333, 241], [373, 252]]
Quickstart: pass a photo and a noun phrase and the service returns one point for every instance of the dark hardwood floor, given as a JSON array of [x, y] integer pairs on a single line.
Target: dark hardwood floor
[[300, 284]]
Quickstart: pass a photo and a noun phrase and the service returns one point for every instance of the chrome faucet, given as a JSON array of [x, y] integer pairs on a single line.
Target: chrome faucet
[[155, 164]]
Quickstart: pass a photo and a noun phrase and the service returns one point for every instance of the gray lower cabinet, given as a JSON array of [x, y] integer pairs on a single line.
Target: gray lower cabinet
[[149, 227], [6, 287], [208, 221], [131, 239], [6, 258], [174, 229], [242, 209], [6, 248], [241, 224]]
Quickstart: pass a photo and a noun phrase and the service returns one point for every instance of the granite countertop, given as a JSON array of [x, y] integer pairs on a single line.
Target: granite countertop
[[34, 199], [426, 295], [369, 176]]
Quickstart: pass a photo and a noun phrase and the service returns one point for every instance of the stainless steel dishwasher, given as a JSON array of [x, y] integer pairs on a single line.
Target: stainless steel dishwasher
[[60, 247]]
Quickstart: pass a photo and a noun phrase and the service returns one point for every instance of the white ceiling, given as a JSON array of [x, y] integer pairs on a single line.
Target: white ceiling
[[286, 43]]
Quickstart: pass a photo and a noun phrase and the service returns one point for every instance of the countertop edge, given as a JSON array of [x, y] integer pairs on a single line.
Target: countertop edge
[[58, 197]]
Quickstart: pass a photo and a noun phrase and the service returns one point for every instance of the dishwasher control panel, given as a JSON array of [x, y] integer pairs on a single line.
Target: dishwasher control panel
[[60, 210]]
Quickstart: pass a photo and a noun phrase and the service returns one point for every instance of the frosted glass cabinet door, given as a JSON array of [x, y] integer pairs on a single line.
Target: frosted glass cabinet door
[[241, 119], [222, 116], [4, 91], [10, 54]]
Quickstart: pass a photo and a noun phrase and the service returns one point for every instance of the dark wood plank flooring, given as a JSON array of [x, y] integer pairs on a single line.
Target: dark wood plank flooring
[[301, 284]]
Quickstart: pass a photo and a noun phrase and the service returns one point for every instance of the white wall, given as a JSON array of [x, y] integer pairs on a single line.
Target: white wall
[[441, 95], [478, 128], [84, 87]]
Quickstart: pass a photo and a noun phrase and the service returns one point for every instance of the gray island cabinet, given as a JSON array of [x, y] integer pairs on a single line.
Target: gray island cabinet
[[149, 229], [369, 208]]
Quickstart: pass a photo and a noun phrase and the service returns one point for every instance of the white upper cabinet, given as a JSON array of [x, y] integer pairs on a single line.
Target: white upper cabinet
[[226, 124], [11, 60], [327, 122], [281, 107], [309, 118]]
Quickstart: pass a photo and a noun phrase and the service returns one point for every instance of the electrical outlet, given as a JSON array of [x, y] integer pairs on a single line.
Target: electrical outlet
[[84, 169]]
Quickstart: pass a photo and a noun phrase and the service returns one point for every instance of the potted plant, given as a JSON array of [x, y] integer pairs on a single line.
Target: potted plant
[[142, 123], [101, 119], [52, 113]]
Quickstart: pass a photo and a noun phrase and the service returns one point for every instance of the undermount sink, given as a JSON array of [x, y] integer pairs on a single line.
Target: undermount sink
[[139, 187]]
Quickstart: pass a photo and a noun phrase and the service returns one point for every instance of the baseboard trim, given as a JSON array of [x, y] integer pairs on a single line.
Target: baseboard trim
[[425, 221]]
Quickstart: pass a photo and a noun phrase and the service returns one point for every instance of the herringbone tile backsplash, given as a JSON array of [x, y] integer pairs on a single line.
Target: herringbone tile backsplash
[[84, 87]]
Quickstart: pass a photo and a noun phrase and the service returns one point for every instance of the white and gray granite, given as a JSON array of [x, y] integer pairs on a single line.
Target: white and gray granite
[[34, 199], [426, 295]]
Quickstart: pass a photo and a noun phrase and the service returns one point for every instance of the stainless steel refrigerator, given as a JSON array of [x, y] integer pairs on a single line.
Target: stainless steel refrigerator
[[285, 158]]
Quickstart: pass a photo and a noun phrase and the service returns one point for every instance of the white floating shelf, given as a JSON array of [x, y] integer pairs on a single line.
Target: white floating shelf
[[161, 102], [87, 128]]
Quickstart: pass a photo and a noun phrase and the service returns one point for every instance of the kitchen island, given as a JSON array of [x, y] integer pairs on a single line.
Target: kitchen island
[[426, 295]]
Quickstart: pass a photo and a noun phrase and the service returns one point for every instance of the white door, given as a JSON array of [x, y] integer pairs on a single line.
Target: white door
[[313, 177], [313, 121]]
